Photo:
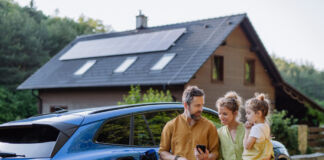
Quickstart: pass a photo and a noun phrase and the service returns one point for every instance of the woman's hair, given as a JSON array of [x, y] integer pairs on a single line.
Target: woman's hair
[[259, 102], [231, 101]]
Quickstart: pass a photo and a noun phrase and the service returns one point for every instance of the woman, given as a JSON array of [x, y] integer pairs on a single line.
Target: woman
[[231, 135]]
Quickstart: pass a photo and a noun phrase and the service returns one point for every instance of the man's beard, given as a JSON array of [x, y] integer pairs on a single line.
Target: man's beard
[[193, 116]]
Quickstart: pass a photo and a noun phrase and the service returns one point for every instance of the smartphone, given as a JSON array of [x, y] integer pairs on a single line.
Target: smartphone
[[202, 147]]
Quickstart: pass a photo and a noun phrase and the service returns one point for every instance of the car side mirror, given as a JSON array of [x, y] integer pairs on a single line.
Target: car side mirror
[[149, 155]]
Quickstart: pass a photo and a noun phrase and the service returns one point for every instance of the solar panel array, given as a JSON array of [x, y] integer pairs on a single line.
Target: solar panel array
[[139, 43]]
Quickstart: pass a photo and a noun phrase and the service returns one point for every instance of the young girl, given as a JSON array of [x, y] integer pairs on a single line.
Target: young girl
[[257, 144], [232, 133]]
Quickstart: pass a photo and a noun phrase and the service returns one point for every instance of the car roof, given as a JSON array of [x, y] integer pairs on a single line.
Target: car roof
[[69, 119], [73, 116]]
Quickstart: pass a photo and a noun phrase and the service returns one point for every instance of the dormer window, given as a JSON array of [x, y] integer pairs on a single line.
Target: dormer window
[[165, 60], [85, 67], [125, 65]]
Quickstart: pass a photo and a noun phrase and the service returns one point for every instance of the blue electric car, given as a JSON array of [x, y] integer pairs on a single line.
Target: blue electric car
[[128, 132]]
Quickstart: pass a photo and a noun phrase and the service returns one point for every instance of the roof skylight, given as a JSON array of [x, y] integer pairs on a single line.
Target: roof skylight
[[125, 65], [165, 60], [85, 67]]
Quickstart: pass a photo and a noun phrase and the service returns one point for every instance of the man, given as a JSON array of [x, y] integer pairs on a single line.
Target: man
[[181, 135]]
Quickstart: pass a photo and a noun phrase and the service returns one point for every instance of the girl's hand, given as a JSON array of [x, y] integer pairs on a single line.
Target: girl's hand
[[248, 125]]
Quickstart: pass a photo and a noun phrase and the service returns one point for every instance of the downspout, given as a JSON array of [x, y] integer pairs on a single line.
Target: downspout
[[40, 102]]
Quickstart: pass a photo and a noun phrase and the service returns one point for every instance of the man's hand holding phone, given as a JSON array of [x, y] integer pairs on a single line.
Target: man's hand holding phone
[[201, 152]]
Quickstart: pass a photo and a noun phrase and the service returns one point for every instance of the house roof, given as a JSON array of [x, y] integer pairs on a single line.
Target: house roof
[[192, 49]]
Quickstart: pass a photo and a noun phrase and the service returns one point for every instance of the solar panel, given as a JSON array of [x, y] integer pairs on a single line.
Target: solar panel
[[139, 43]]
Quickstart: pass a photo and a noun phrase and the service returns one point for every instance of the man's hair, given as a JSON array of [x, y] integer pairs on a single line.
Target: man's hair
[[190, 92]]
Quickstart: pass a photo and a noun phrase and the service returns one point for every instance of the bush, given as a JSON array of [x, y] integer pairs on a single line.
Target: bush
[[134, 96], [15, 105], [283, 130]]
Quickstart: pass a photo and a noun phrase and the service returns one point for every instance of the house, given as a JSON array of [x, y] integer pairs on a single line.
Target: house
[[217, 54]]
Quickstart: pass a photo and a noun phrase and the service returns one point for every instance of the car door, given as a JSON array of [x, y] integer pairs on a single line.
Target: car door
[[106, 139], [116, 135], [148, 127]]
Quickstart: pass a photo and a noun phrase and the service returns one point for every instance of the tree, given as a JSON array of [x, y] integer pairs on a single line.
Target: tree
[[21, 51], [89, 25], [16, 105], [134, 96], [302, 76], [28, 39]]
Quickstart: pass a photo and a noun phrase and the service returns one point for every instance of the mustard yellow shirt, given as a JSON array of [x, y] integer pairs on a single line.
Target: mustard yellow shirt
[[260, 151], [262, 148], [231, 150], [179, 138]]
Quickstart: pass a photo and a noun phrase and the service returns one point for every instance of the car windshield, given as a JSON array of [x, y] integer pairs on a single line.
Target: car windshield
[[36, 141]]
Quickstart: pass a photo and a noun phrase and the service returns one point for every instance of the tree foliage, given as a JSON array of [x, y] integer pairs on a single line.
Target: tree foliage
[[283, 130], [16, 105], [134, 96], [28, 39], [302, 76], [21, 50]]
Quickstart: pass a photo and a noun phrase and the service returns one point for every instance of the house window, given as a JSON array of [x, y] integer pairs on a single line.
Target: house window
[[85, 67], [58, 108], [249, 71], [218, 68], [125, 65], [165, 60]]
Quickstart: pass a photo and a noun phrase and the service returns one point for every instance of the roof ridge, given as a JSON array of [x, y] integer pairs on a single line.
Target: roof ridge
[[153, 27], [199, 20]]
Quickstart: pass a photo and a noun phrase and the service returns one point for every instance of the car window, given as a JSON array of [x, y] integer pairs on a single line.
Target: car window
[[142, 133], [157, 120], [115, 131], [212, 117], [23, 140]]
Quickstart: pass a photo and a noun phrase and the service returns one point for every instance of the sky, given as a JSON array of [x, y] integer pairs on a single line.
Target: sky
[[291, 29]]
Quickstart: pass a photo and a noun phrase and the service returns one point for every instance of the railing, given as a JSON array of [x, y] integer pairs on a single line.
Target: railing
[[316, 138]]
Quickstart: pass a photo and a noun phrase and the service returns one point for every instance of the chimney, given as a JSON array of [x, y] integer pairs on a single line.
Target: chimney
[[141, 21]]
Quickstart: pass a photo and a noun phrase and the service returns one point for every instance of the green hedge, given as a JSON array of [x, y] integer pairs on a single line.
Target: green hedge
[[283, 130]]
